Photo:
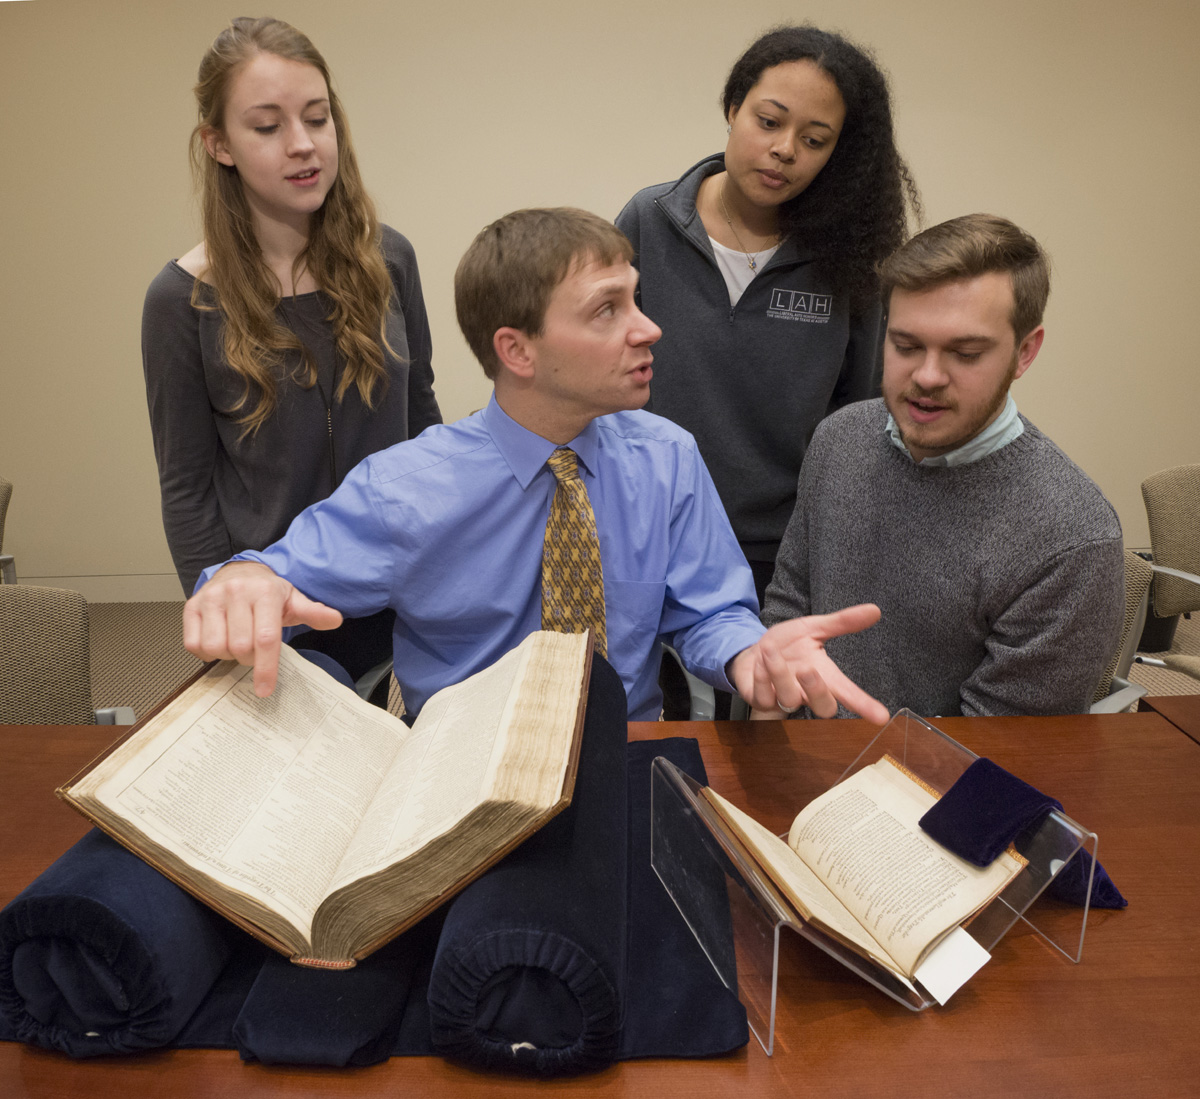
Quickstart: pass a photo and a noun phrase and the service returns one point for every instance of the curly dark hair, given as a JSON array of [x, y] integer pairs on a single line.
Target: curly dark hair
[[854, 213]]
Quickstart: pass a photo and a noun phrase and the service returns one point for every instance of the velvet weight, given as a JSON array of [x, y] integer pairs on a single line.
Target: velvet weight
[[988, 808]]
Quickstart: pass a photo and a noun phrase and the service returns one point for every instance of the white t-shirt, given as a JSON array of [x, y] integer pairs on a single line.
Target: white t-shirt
[[735, 268]]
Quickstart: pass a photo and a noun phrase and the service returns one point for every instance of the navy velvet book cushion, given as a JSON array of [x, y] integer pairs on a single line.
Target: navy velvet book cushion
[[134, 962]]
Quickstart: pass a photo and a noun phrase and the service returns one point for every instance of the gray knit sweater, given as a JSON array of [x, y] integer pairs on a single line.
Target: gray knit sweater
[[1001, 581]]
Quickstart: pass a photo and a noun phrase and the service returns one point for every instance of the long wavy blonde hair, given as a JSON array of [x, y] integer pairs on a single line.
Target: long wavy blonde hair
[[342, 255]]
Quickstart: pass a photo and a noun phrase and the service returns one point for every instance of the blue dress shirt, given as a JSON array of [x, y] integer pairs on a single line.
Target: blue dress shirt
[[447, 530]]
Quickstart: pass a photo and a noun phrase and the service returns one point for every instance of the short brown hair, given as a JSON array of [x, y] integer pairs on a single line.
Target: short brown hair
[[506, 277], [970, 246]]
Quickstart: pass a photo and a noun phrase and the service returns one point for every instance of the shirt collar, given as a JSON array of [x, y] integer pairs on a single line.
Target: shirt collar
[[999, 433], [526, 452]]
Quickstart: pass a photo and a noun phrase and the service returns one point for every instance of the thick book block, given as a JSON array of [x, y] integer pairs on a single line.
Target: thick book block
[[325, 826]]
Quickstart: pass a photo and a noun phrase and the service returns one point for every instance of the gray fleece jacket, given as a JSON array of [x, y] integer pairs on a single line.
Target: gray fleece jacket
[[1001, 582], [751, 381]]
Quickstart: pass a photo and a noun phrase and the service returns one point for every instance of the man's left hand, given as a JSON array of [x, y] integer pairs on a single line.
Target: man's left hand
[[788, 667]]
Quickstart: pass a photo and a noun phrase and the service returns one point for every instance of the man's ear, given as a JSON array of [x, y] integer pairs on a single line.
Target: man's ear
[[1028, 350], [215, 144], [515, 351]]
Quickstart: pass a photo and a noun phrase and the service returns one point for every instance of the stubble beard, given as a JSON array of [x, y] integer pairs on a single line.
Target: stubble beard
[[910, 437]]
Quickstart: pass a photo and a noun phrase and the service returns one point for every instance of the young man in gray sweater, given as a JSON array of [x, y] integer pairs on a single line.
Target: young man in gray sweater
[[996, 561]]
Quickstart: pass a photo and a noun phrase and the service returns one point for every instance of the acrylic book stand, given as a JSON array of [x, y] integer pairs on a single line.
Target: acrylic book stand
[[736, 913]]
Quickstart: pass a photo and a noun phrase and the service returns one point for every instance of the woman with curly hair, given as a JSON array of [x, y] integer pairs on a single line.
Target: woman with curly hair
[[758, 264], [293, 341]]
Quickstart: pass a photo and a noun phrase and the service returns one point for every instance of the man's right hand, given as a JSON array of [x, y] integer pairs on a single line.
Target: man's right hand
[[240, 614]]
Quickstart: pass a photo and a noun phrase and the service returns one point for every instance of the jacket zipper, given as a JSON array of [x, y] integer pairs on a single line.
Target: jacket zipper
[[731, 316]]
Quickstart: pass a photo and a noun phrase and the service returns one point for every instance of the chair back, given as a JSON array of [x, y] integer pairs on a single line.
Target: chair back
[[45, 678], [8, 568], [5, 496], [1173, 508], [1138, 574]]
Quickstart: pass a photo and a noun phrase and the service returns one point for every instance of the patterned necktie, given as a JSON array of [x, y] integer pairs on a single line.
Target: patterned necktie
[[572, 575]]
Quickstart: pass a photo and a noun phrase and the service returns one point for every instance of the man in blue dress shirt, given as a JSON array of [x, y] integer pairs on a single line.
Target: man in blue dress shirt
[[447, 529]]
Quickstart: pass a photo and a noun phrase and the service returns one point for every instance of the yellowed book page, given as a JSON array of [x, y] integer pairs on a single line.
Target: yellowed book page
[[441, 773], [533, 751], [809, 894], [261, 794], [863, 841]]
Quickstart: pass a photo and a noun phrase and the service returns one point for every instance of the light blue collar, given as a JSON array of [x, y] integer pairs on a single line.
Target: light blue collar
[[999, 433], [526, 452]]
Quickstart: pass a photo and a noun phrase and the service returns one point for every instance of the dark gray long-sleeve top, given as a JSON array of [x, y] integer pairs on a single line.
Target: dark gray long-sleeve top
[[224, 492], [749, 381]]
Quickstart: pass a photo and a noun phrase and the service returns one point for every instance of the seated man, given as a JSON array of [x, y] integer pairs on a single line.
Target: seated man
[[448, 529], [996, 562]]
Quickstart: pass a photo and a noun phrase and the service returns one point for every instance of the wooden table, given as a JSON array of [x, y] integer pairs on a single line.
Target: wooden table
[[1182, 711], [1123, 1023]]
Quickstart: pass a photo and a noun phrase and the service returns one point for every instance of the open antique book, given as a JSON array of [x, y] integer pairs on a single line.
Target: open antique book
[[857, 865], [325, 826]]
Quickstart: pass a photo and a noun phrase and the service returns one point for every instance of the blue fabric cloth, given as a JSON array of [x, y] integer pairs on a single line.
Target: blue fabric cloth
[[989, 808], [447, 530], [676, 1005], [102, 954]]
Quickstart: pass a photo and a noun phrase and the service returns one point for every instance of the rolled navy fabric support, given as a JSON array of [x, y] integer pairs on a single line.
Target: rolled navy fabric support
[[530, 967], [305, 1016], [102, 954]]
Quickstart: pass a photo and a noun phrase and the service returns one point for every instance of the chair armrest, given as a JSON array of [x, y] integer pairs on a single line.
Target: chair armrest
[[365, 685], [702, 698], [1179, 573], [1124, 696]]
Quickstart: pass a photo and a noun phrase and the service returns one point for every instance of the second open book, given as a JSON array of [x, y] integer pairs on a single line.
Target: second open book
[[857, 865]]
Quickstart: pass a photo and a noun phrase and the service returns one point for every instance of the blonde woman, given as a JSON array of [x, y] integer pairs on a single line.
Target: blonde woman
[[293, 341]]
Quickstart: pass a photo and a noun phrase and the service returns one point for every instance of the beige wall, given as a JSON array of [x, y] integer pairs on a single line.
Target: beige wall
[[1076, 119]]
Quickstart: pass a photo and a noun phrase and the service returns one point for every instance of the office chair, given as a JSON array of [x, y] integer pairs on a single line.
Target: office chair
[[8, 570], [1115, 693], [1172, 499], [45, 678]]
